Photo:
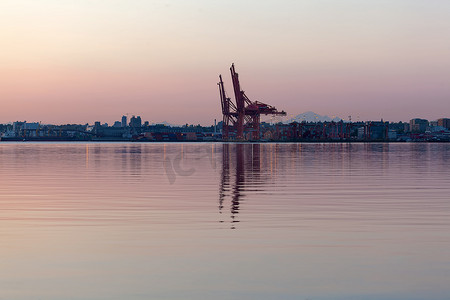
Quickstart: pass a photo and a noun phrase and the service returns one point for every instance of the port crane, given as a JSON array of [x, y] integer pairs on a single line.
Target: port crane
[[245, 115]]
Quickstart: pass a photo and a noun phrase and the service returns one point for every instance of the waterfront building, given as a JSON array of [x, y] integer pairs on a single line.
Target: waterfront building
[[361, 133], [17, 126], [418, 125], [392, 135], [406, 127], [110, 132], [444, 122], [375, 130]]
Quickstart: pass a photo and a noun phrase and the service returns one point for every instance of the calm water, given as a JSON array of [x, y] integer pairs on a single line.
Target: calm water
[[232, 221]]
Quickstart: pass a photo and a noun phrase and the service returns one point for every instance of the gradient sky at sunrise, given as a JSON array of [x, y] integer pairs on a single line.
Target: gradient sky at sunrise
[[78, 61]]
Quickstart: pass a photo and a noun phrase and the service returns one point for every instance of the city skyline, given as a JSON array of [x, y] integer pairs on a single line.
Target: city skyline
[[85, 61], [308, 117]]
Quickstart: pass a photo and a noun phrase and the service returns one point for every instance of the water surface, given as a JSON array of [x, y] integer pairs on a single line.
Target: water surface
[[224, 221]]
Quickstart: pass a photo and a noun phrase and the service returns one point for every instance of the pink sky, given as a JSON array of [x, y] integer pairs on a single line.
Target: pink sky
[[78, 62]]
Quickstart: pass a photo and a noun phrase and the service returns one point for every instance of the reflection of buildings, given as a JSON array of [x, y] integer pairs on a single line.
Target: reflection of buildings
[[240, 170]]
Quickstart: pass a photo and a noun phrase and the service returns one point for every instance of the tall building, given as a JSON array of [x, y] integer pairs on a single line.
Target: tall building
[[135, 122], [418, 125], [124, 121], [444, 122]]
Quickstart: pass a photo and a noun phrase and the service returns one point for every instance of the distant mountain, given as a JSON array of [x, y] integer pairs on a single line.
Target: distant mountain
[[310, 116], [166, 124]]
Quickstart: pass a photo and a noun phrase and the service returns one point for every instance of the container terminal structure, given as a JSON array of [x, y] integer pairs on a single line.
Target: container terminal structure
[[244, 115]]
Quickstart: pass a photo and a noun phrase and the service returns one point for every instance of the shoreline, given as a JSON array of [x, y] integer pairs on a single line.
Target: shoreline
[[17, 140]]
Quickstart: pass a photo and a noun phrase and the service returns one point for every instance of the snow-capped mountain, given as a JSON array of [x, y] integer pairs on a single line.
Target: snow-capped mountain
[[310, 116], [166, 124]]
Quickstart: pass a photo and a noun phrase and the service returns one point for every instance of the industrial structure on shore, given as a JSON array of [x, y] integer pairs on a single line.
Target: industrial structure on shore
[[242, 120]]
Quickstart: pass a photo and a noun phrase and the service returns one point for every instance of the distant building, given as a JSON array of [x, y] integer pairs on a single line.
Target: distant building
[[30, 126], [18, 126], [377, 130], [392, 134], [437, 128], [361, 133], [444, 122], [135, 122], [418, 125], [124, 121], [117, 124], [25, 129], [406, 127], [110, 132]]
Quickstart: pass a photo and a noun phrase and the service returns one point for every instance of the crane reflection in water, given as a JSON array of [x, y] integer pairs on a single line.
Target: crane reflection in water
[[241, 169]]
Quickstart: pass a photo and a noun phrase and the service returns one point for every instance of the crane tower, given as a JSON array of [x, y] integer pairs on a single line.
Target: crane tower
[[245, 115]]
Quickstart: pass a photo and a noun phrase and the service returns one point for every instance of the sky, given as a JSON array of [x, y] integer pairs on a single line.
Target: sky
[[81, 61]]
